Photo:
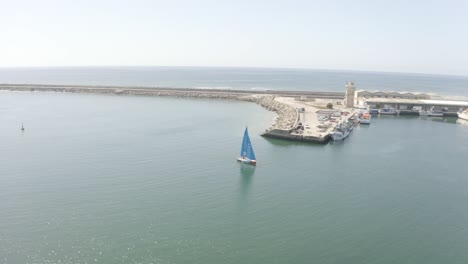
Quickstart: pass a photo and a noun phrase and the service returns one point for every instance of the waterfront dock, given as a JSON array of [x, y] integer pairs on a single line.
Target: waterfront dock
[[313, 122]]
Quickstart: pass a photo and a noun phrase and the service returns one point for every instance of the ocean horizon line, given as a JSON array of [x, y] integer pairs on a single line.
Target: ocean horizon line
[[182, 67]]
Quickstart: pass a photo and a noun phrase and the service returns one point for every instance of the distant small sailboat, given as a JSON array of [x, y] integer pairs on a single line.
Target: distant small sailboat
[[22, 126], [247, 154]]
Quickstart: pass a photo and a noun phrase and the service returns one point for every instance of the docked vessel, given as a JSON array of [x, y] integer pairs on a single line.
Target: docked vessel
[[365, 118], [341, 131], [388, 111], [432, 112], [463, 114], [423, 113], [374, 111], [436, 113], [247, 154]]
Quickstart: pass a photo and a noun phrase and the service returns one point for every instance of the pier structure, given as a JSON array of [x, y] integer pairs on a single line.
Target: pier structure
[[409, 107], [161, 91], [290, 124], [314, 120], [280, 102], [409, 103], [302, 115]]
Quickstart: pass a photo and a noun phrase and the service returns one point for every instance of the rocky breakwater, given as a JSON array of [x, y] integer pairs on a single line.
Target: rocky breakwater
[[287, 115]]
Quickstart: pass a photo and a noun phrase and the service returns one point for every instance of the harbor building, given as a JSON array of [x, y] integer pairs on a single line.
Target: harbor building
[[451, 107], [404, 102]]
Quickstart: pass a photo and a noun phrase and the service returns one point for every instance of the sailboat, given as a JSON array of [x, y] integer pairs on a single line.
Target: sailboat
[[22, 126], [247, 154]]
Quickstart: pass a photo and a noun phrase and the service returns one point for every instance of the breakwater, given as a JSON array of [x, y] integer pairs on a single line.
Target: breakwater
[[148, 90], [287, 115]]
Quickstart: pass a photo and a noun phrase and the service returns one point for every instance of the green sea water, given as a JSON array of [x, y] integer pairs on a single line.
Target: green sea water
[[114, 179]]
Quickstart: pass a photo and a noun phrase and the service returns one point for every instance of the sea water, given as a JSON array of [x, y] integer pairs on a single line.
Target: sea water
[[128, 179]]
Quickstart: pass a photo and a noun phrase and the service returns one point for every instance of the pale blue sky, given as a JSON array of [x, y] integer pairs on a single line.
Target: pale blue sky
[[400, 36]]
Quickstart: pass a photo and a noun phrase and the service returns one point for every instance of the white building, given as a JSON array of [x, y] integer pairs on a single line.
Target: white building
[[399, 100]]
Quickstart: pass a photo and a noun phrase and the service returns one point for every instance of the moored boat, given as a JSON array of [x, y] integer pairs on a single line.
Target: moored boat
[[388, 111], [247, 154], [463, 114], [365, 118], [431, 112], [341, 131], [339, 135], [436, 113], [423, 113]]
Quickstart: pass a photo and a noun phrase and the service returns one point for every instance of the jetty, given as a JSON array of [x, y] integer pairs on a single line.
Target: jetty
[[289, 123], [316, 118], [162, 91], [306, 116]]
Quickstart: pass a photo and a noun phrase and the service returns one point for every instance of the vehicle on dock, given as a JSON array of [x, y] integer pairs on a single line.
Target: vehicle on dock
[[388, 111], [463, 114], [365, 118], [247, 154], [336, 114]]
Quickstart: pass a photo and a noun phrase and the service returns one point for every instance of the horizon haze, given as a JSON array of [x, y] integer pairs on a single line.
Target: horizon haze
[[416, 37]]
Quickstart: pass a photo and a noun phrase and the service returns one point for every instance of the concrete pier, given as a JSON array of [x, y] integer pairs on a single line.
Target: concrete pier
[[313, 124]]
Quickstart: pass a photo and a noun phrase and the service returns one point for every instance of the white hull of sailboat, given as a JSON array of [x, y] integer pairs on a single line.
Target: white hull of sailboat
[[248, 161], [247, 154]]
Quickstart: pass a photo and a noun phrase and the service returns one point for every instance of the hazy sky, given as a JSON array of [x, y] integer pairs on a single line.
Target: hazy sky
[[402, 36]]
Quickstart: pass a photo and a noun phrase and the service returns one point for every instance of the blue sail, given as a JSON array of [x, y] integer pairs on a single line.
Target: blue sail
[[247, 150]]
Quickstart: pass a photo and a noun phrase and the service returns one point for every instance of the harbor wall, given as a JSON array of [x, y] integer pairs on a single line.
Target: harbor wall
[[161, 91], [286, 134], [287, 115]]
